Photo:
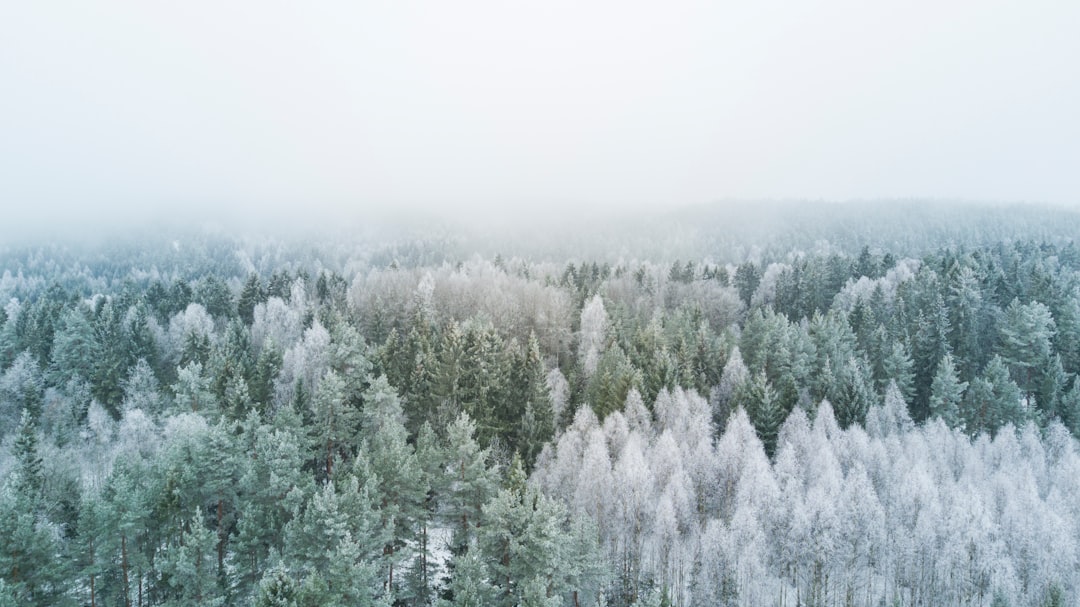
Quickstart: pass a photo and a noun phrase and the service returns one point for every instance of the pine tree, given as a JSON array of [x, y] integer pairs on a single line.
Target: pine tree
[[1051, 382], [898, 367], [469, 586], [947, 393], [21, 389], [537, 423], [73, 347], [30, 479], [930, 347], [759, 400], [389, 463], [992, 400], [419, 584], [31, 567], [250, 296], [193, 390], [523, 538], [188, 567], [267, 367], [335, 421], [276, 589], [747, 278], [272, 486], [471, 481], [126, 512], [446, 388], [333, 515], [852, 392], [1026, 333]]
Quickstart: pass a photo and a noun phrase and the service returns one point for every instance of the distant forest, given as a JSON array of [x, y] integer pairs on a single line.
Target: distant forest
[[788, 405]]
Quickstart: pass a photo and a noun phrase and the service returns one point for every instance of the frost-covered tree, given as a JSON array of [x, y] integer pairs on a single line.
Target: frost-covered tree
[[592, 336], [947, 393]]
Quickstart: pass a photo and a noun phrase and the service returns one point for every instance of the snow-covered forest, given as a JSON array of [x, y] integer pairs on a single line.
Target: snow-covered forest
[[875, 406]]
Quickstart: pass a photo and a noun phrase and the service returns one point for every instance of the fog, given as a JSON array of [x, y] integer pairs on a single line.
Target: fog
[[124, 113]]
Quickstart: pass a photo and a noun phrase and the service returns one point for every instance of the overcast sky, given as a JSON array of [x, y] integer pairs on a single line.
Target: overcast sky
[[144, 108]]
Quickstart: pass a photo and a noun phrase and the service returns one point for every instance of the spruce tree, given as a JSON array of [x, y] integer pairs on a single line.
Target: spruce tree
[[759, 400], [947, 393], [31, 478]]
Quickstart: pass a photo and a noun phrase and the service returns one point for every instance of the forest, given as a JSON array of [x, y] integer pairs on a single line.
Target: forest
[[857, 406]]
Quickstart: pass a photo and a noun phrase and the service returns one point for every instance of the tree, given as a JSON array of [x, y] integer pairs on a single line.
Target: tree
[[523, 541], [930, 346], [735, 374], [336, 537], [188, 567], [747, 278], [592, 336], [193, 390], [608, 387], [73, 347], [126, 510], [759, 400], [141, 389], [1026, 333], [214, 295], [469, 586], [31, 565], [267, 366], [899, 368], [530, 422], [30, 479], [389, 463], [431, 458], [471, 481], [947, 393], [272, 486], [276, 589], [1050, 384], [21, 389], [251, 295], [335, 421], [992, 400]]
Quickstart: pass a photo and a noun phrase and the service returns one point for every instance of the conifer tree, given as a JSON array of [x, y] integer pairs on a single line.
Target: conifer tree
[[389, 463], [759, 400], [947, 393], [898, 367], [188, 567], [30, 479], [276, 589], [471, 481], [251, 295], [334, 420]]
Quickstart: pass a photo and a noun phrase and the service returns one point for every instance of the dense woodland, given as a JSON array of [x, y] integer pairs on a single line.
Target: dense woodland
[[817, 417]]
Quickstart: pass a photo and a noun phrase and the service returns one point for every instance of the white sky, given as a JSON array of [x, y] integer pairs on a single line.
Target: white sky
[[117, 109]]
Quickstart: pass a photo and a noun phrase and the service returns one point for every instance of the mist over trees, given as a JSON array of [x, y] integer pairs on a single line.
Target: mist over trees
[[811, 416]]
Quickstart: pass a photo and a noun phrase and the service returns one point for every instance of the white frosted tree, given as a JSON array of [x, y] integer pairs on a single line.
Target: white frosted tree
[[734, 375], [592, 336], [304, 364], [141, 390], [275, 321]]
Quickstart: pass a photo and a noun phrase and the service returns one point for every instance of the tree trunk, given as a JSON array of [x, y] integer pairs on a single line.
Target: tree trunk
[[329, 458], [423, 554], [390, 578], [198, 572], [221, 536], [93, 593], [124, 570]]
